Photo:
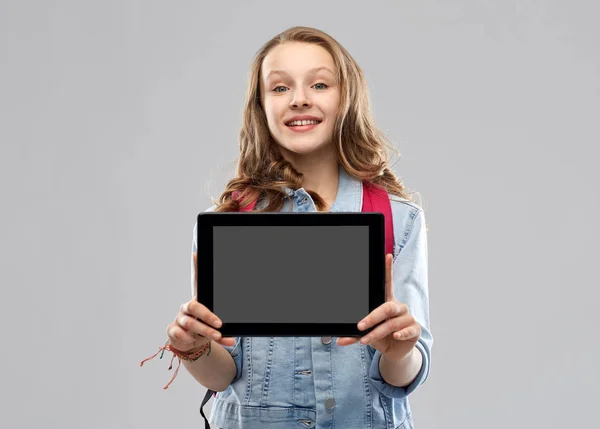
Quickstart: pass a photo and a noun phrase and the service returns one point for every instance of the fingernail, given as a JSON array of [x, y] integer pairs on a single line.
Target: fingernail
[[216, 336], [361, 325], [364, 340], [217, 323]]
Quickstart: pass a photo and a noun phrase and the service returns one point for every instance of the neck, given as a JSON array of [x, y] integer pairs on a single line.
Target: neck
[[320, 173]]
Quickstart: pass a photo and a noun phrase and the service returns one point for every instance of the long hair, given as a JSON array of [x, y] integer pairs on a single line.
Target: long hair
[[262, 172]]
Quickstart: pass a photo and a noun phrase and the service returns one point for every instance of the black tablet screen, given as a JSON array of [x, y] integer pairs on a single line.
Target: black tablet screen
[[291, 274]]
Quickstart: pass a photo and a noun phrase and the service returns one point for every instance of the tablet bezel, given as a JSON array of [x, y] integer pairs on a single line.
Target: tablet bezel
[[204, 266]]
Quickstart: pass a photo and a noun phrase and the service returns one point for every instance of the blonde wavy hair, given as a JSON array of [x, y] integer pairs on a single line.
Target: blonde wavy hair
[[262, 172]]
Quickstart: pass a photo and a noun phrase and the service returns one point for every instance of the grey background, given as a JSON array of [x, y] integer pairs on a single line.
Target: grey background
[[290, 274], [119, 121]]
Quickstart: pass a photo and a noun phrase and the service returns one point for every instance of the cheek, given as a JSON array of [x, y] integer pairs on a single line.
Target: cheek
[[271, 112], [335, 104], [330, 105]]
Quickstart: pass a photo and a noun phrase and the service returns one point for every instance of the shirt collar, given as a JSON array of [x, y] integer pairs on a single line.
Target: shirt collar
[[349, 193]]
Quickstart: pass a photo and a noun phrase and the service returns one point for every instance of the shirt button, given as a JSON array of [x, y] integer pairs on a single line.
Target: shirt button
[[329, 403], [326, 340]]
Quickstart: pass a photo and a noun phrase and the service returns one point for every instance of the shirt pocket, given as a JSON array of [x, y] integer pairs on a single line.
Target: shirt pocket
[[270, 373]]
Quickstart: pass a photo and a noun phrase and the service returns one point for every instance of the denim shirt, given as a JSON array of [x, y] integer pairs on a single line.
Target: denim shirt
[[311, 382]]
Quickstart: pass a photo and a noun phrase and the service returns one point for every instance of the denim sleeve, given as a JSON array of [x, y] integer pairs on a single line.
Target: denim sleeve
[[410, 287], [236, 350]]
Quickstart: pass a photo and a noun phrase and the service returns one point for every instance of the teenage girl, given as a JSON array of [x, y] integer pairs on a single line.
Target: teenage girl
[[308, 143]]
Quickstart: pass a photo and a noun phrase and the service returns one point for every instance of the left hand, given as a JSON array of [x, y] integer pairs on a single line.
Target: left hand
[[398, 333]]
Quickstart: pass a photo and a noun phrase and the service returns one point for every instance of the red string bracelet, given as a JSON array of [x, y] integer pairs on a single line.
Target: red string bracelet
[[189, 356]]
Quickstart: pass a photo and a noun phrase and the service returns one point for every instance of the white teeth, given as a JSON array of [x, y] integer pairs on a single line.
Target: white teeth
[[304, 122]]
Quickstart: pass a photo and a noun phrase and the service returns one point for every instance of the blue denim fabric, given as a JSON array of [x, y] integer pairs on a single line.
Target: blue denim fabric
[[300, 382]]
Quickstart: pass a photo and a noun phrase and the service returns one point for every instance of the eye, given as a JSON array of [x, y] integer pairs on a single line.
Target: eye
[[320, 86], [277, 88]]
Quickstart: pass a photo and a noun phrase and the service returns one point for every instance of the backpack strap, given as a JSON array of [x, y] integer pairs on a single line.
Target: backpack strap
[[207, 396], [376, 199], [249, 207]]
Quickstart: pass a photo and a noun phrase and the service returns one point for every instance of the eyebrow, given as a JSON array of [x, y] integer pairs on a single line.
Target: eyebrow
[[315, 70]]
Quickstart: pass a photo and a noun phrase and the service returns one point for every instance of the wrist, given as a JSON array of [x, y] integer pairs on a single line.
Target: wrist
[[401, 371], [410, 356], [401, 359], [194, 353], [197, 345]]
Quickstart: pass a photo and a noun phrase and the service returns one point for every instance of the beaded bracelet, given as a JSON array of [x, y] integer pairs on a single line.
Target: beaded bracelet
[[190, 356]]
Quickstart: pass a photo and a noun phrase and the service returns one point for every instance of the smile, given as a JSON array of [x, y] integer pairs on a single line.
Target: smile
[[303, 122], [304, 125]]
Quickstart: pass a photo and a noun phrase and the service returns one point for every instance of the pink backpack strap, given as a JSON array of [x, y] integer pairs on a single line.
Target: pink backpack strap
[[376, 199], [249, 207]]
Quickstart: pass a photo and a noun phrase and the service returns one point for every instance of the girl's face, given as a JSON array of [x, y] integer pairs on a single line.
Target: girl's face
[[301, 96]]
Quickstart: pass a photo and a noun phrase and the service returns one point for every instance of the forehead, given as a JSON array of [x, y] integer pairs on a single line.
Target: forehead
[[297, 58]]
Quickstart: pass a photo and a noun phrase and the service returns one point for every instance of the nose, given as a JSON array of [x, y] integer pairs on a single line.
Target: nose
[[300, 99]]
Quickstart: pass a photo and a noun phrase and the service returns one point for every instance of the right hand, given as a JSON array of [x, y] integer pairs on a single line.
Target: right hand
[[194, 326], [187, 333]]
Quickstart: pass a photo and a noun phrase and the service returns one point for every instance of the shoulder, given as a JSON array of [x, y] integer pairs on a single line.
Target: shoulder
[[195, 231], [404, 210], [208, 210], [407, 216]]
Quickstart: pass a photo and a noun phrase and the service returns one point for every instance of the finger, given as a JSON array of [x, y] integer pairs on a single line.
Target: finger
[[199, 311], [192, 325], [389, 283], [387, 328], [408, 333], [385, 311], [227, 341], [346, 341], [178, 335]]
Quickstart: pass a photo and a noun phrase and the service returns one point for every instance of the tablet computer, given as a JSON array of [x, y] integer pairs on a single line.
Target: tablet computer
[[291, 274]]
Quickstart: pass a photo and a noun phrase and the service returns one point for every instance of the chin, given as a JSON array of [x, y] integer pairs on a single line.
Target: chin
[[304, 149]]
